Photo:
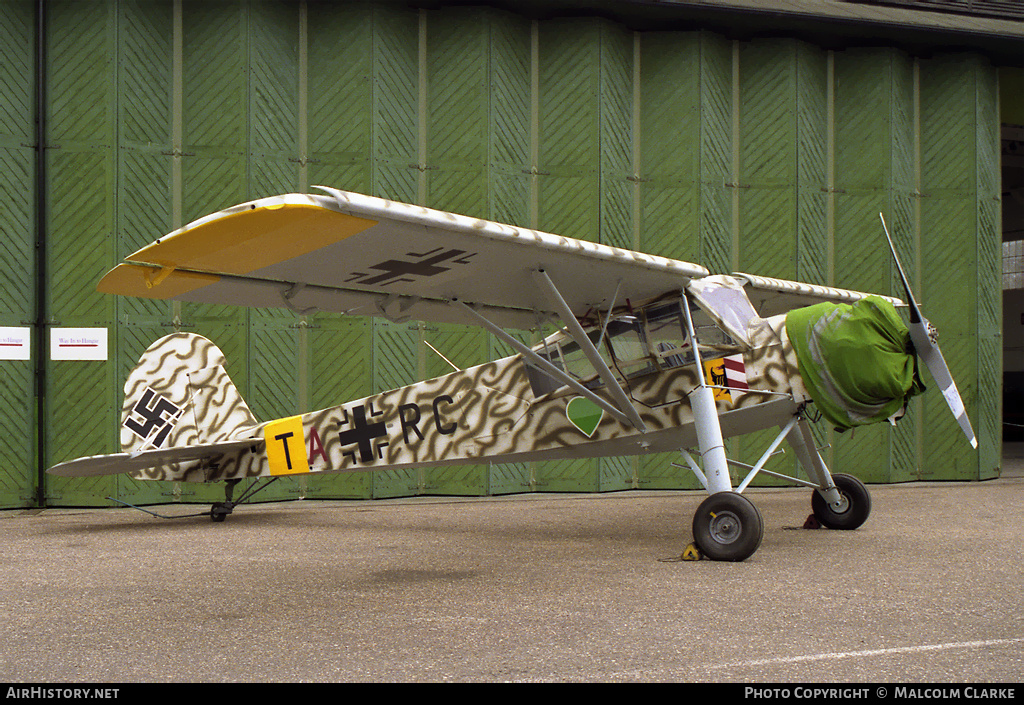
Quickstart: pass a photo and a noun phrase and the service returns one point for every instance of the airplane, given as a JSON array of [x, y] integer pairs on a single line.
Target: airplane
[[650, 355]]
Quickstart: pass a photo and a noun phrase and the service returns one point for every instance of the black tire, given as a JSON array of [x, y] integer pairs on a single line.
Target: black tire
[[727, 527], [855, 511], [219, 511]]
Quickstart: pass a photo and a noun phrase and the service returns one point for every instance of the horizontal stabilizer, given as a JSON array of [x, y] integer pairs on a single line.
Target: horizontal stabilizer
[[116, 463]]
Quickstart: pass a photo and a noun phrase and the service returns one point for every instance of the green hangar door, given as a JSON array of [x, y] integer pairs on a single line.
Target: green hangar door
[[772, 156]]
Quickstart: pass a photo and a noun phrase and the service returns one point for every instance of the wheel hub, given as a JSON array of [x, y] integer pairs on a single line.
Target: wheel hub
[[842, 505], [725, 527]]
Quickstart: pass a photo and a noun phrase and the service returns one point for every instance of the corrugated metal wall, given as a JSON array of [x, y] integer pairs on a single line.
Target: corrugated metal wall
[[772, 156]]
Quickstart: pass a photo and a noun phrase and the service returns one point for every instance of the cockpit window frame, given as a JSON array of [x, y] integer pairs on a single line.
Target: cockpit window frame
[[668, 312]]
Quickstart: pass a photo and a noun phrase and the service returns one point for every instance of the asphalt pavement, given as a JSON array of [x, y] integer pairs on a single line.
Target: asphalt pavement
[[526, 588]]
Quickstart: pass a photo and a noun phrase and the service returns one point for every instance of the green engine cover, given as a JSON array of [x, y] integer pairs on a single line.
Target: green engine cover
[[856, 360]]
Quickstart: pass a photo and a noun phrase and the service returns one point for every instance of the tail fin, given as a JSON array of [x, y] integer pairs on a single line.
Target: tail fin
[[179, 395]]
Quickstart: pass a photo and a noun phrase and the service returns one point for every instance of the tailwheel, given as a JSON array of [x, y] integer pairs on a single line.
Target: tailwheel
[[727, 527], [851, 511], [220, 510]]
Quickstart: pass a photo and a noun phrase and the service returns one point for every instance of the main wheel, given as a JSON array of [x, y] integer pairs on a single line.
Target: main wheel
[[853, 510], [727, 527]]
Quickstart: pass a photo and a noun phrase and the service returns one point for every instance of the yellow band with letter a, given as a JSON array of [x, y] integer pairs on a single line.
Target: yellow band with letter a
[[286, 446]]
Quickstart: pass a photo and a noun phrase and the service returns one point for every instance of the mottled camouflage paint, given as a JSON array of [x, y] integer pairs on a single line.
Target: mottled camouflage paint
[[180, 395], [487, 413]]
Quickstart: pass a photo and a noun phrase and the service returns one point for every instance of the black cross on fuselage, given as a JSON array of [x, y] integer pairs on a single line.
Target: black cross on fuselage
[[363, 433]]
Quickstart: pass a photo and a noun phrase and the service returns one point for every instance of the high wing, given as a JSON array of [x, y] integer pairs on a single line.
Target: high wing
[[772, 296], [368, 256]]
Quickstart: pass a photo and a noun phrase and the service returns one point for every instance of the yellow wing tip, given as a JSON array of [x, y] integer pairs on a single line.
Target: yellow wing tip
[[242, 240], [152, 282]]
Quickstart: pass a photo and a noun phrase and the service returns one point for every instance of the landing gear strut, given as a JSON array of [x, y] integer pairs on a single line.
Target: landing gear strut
[[220, 510]]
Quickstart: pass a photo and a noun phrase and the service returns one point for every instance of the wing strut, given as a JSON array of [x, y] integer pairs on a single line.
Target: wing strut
[[608, 318], [587, 346], [545, 365]]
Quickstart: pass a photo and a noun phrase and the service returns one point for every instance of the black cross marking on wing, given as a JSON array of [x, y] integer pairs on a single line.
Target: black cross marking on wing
[[395, 271]]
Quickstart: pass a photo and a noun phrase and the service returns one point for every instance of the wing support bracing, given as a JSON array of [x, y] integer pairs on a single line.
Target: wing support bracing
[[608, 318], [543, 364], [575, 330]]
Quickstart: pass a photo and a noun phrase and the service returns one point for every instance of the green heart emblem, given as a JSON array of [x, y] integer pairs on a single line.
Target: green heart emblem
[[584, 414]]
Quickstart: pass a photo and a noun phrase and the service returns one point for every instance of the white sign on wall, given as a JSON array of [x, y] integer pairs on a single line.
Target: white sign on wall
[[78, 343], [15, 343]]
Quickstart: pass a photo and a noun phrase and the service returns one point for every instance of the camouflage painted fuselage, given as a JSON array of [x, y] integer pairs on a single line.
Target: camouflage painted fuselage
[[488, 413]]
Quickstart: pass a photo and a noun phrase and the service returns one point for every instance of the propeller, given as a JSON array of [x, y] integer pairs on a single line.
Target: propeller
[[925, 339]]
